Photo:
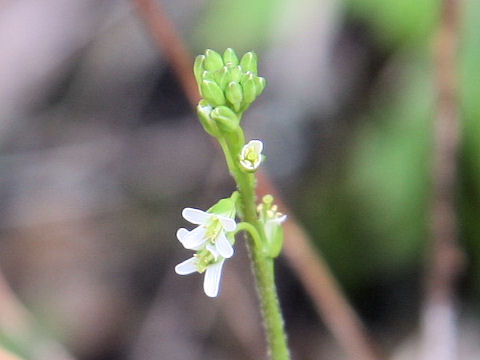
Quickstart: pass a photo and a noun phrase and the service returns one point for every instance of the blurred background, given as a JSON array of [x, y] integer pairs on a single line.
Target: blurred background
[[100, 151]]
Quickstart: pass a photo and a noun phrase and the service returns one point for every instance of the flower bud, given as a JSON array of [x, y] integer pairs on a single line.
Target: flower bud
[[225, 118], [249, 88], [208, 75], [213, 60], [249, 62], [221, 77], [235, 74], [204, 110], [212, 93], [229, 56], [198, 68], [234, 94], [260, 84]]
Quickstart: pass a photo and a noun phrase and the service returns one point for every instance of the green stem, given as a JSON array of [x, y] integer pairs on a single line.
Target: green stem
[[262, 264], [244, 226]]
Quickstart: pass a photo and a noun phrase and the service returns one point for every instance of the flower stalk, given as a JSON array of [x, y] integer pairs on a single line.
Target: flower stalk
[[228, 85]]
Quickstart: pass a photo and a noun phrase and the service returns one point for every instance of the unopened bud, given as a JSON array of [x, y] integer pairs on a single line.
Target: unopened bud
[[212, 93], [198, 68], [225, 118], [249, 88], [234, 94], [229, 56], [213, 60], [249, 62]]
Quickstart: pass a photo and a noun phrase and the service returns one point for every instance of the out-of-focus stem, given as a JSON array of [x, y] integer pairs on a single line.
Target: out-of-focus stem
[[439, 333]]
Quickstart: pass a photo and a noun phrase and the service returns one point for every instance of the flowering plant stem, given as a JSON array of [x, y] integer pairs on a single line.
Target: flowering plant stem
[[262, 262]]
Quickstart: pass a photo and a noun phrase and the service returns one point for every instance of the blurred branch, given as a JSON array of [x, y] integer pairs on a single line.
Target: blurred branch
[[311, 269], [445, 258], [17, 324], [168, 41], [6, 355]]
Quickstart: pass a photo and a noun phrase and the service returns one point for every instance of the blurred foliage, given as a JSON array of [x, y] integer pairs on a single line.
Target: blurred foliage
[[395, 21], [371, 215], [242, 25], [371, 219], [470, 102]]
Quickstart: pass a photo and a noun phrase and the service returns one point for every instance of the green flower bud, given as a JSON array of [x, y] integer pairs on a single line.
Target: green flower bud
[[226, 119], [235, 73], [249, 62], [208, 75], [272, 221], [234, 94], [249, 88], [260, 84], [204, 110], [213, 60], [221, 77], [274, 234], [198, 68], [212, 93], [229, 56]]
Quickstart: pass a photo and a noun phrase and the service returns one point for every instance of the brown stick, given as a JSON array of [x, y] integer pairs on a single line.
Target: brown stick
[[304, 259], [445, 260], [18, 325]]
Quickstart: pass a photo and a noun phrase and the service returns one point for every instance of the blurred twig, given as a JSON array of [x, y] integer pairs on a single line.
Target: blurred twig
[[310, 268], [445, 259], [17, 324], [6, 355]]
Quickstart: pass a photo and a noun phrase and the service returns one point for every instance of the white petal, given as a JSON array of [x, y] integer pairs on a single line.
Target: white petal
[[195, 238], [227, 223], [213, 250], [182, 233], [223, 245], [186, 267], [280, 219], [247, 165], [196, 216], [211, 283], [257, 145]]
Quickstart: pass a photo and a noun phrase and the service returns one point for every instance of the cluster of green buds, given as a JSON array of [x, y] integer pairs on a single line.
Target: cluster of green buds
[[228, 86]]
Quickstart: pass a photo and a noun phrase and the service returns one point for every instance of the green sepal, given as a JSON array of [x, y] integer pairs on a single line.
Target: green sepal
[[234, 94], [204, 110], [225, 207], [229, 57], [225, 118], [212, 93], [198, 68], [213, 60], [249, 88], [274, 238], [249, 62]]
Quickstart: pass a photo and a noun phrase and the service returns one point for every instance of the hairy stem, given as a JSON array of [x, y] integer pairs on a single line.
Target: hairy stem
[[262, 264]]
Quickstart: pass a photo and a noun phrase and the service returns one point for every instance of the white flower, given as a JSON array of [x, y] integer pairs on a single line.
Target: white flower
[[212, 228], [210, 242], [251, 155], [213, 273]]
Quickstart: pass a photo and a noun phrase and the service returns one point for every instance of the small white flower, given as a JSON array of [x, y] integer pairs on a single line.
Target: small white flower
[[212, 228], [251, 155], [210, 242]]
